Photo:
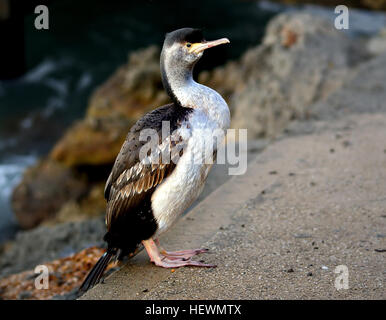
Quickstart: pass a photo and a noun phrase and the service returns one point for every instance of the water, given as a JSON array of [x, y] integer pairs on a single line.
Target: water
[[11, 170], [86, 42]]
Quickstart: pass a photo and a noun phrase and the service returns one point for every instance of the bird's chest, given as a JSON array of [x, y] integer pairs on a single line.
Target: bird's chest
[[187, 181], [210, 109]]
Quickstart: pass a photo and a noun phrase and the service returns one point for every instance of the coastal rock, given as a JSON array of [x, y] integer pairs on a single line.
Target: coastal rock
[[364, 93], [92, 205], [45, 187], [132, 90], [90, 142], [45, 243], [302, 59], [66, 275], [377, 44]]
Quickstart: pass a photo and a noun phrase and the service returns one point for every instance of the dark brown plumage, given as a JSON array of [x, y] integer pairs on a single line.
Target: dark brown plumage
[[131, 181]]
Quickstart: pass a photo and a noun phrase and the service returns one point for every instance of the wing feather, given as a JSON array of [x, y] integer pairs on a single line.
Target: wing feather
[[132, 179]]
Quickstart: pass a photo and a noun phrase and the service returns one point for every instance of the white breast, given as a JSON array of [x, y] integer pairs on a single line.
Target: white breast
[[186, 182]]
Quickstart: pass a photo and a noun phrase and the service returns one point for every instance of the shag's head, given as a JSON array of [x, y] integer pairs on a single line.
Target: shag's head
[[184, 47], [181, 50]]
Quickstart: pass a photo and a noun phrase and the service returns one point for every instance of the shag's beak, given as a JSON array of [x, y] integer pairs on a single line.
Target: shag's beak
[[201, 46]]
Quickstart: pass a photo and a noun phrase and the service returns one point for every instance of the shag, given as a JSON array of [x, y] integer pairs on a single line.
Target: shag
[[145, 195]]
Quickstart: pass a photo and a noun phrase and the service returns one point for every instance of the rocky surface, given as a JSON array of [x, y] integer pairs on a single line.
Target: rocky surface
[[302, 59], [42, 244], [364, 93], [377, 44], [45, 188], [65, 277]]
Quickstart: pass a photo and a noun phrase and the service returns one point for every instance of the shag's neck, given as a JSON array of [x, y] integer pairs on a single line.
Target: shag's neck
[[185, 92], [177, 80]]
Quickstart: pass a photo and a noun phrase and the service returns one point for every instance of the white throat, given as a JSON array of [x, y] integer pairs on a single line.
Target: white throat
[[189, 93]]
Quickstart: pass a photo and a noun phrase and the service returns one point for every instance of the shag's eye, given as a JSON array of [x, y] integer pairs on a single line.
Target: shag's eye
[[188, 45]]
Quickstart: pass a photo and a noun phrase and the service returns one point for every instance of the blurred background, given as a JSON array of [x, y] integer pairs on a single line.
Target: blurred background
[[69, 94]]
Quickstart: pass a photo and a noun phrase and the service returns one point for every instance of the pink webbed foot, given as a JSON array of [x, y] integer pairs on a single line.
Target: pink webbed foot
[[174, 259], [174, 263], [183, 254]]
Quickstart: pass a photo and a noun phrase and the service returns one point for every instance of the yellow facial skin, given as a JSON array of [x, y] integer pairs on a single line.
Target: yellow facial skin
[[198, 47]]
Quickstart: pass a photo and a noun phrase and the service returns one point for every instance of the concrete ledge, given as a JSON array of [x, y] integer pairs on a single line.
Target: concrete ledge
[[307, 204]]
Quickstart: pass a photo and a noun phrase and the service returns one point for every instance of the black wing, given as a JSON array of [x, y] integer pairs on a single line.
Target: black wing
[[131, 180]]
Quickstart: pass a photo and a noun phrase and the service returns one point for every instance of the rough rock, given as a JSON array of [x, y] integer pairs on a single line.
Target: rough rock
[[45, 188], [44, 243], [377, 44], [90, 142], [66, 275], [302, 59], [132, 89], [364, 93]]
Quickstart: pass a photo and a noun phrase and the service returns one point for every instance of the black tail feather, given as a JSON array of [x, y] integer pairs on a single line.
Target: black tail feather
[[97, 271]]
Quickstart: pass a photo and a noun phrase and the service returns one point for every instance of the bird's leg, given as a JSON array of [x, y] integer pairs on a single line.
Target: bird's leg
[[172, 261]]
